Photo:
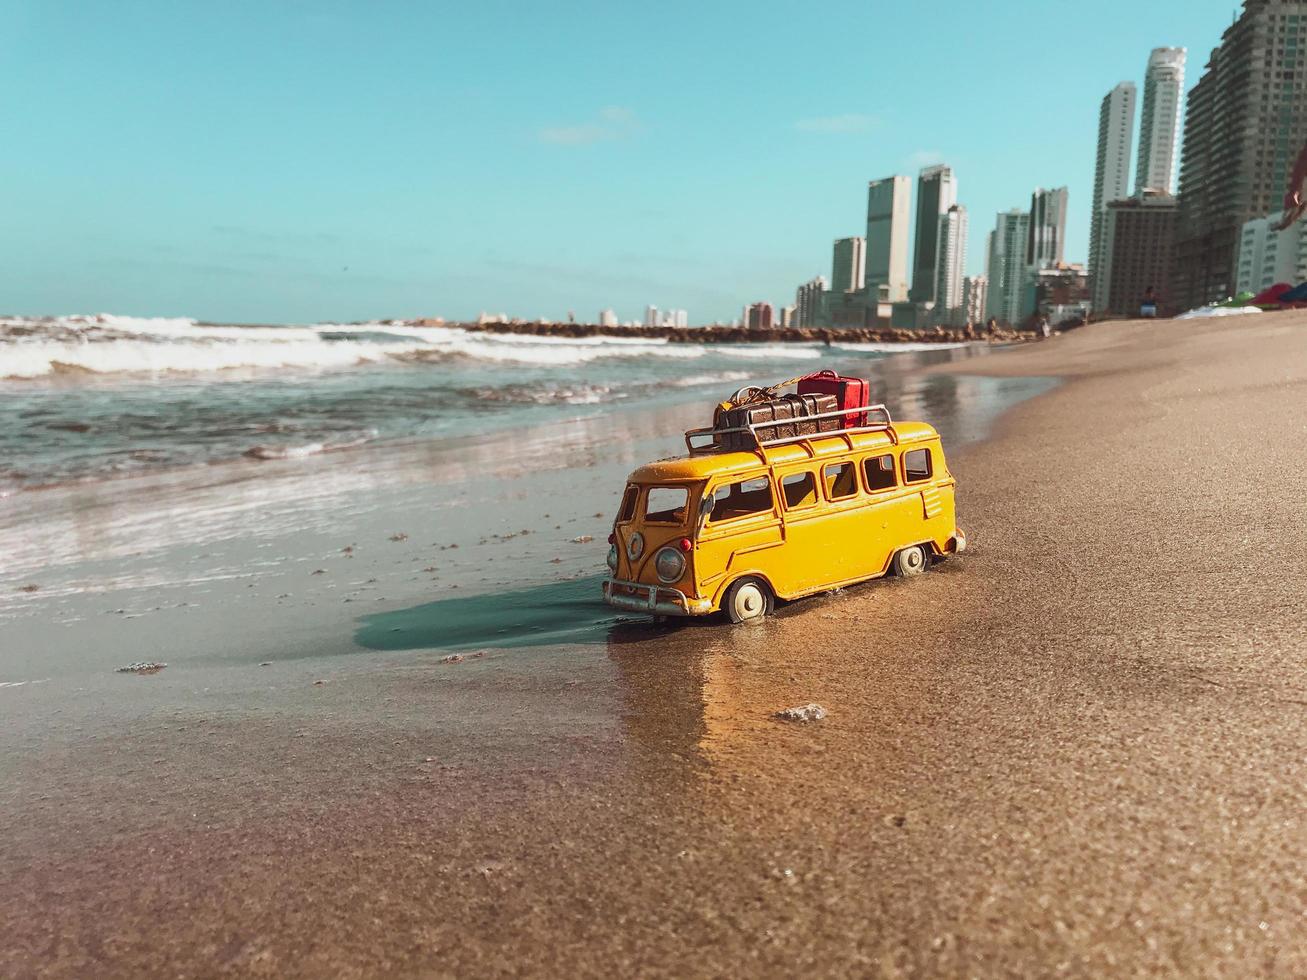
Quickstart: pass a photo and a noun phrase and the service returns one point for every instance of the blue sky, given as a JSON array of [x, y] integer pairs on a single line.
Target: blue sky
[[297, 161]]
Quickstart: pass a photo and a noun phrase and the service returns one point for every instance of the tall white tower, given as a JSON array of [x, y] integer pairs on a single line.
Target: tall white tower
[[951, 266], [848, 265], [1159, 123], [1116, 123]]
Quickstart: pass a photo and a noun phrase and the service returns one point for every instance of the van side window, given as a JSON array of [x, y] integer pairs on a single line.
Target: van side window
[[628, 505], [916, 465], [741, 499], [879, 471], [841, 480], [666, 505], [799, 490]]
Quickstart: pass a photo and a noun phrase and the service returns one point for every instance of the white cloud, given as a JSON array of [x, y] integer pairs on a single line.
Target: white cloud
[[618, 115], [924, 158], [849, 122], [613, 123]]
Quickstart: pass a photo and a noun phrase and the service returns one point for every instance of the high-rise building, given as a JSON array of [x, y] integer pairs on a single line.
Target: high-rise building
[[607, 318], [761, 316], [1007, 265], [1138, 251], [808, 302], [1245, 122], [1116, 120], [1267, 256], [1159, 122], [975, 295], [1046, 237], [651, 316], [951, 266], [937, 191], [848, 265], [788, 315], [888, 204]]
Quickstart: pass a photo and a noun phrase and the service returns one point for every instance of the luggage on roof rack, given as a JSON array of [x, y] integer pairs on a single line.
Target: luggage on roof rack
[[744, 426], [850, 393], [748, 438]]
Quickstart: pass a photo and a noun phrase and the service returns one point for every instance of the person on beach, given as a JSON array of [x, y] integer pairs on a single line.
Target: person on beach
[[1148, 306]]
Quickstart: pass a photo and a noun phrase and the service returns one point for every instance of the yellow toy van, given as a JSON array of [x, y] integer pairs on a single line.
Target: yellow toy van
[[732, 530]]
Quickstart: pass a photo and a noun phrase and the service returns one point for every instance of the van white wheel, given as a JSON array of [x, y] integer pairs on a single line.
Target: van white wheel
[[747, 600], [910, 561]]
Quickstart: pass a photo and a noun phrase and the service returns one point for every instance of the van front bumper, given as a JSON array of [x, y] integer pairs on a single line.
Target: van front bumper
[[657, 600]]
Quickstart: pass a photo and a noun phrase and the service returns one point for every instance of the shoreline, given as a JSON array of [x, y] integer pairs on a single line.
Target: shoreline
[[1070, 748], [830, 336]]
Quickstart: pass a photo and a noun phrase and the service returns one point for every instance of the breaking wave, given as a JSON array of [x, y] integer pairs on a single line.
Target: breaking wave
[[118, 345], [110, 345]]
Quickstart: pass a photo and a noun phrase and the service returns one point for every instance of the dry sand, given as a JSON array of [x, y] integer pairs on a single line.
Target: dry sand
[[1077, 749]]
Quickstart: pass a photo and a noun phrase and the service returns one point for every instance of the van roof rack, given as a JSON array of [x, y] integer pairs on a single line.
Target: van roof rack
[[714, 444]]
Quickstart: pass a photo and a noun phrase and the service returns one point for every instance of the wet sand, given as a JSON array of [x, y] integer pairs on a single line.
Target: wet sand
[[1078, 748]]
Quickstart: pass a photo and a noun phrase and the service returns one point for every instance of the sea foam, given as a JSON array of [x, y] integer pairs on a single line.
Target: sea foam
[[108, 344]]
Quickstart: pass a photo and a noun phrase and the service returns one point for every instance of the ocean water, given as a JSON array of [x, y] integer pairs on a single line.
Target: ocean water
[[91, 397]]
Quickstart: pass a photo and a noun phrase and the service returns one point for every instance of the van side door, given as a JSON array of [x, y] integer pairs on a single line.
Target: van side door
[[740, 531]]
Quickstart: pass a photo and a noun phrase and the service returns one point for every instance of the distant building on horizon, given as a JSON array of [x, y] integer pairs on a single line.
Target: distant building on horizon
[[951, 266], [848, 265], [1046, 237], [937, 191], [1245, 122], [1159, 122], [889, 203], [651, 316], [1267, 256], [1137, 255], [975, 296], [1062, 293], [787, 315], [761, 316], [607, 318], [1007, 265], [809, 302], [1045, 242], [1116, 120]]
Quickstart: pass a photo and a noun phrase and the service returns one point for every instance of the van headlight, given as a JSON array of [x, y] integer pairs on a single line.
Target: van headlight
[[612, 558], [669, 564]]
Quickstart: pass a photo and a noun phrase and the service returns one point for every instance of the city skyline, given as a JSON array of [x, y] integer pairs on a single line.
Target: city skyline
[[309, 164]]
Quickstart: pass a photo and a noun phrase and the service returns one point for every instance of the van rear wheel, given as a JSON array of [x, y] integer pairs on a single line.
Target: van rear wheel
[[748, 601], [911, 561]]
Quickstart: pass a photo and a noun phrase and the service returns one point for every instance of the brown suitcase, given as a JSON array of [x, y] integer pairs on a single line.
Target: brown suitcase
[[788, 416]]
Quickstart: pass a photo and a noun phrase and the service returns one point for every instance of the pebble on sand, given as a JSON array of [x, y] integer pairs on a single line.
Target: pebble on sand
[[453, 658], [32, 587], [145, 667], [807, 712], [583, 539], [399, 536]]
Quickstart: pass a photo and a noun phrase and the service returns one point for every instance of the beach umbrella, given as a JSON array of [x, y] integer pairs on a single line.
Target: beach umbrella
[[1243, 299], [1298, 294], [1271, 295]]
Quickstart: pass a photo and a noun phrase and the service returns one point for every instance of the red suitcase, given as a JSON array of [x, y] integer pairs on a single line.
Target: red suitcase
[[848, 392]]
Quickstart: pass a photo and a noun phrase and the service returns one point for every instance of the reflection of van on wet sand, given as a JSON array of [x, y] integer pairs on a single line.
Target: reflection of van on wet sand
[[734, 530]]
